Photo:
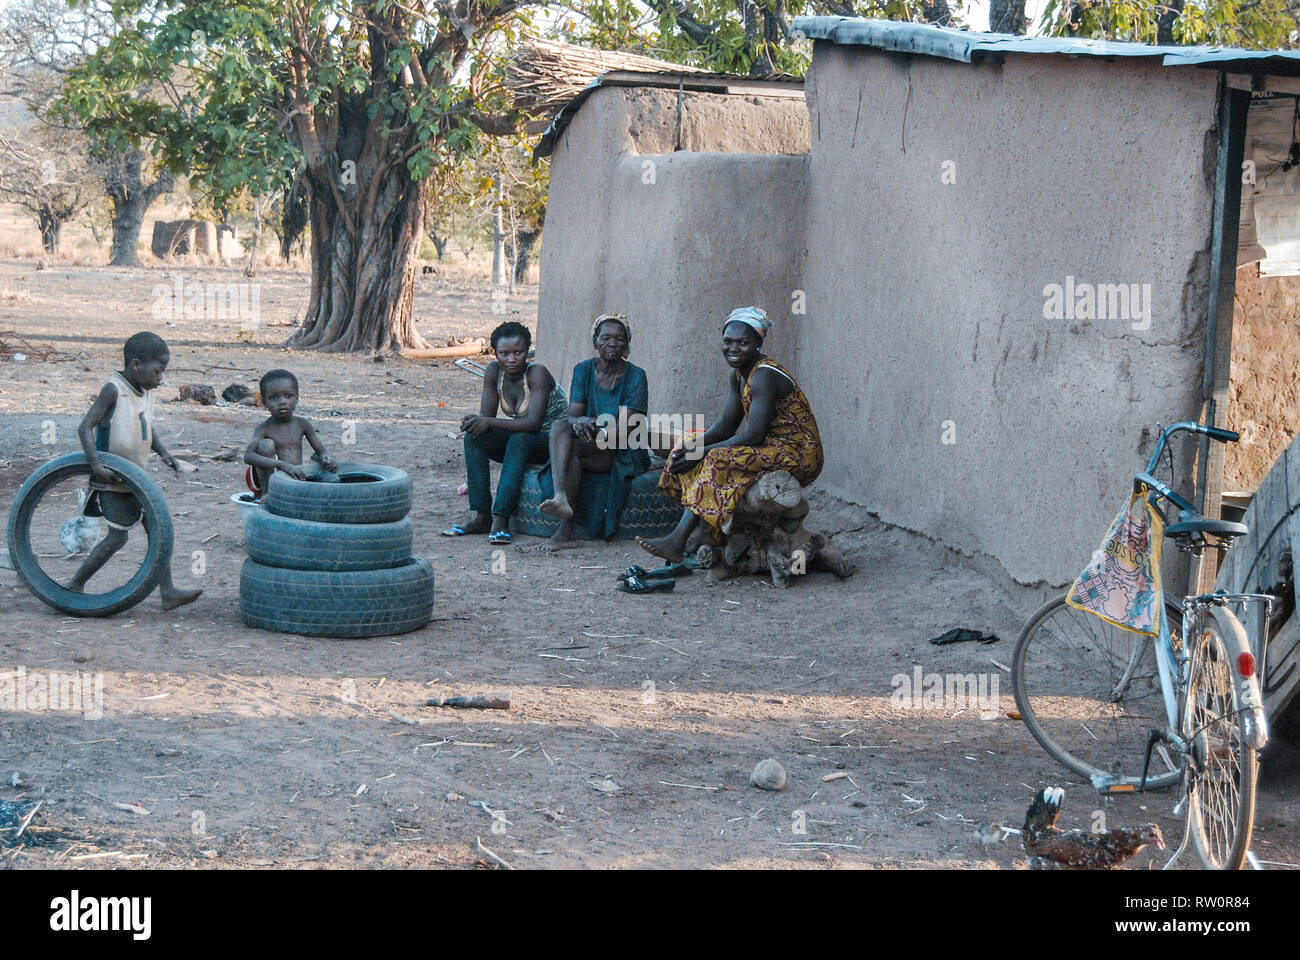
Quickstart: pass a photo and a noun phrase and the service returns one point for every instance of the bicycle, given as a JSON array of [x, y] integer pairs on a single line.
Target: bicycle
[[1092, 694]]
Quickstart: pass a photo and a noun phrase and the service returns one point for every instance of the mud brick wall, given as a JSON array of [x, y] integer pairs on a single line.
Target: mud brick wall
[[1265, 386], [950, 401]]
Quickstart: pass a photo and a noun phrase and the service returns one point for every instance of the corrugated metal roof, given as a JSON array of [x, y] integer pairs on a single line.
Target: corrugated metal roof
[[965, 46], [779, 84]]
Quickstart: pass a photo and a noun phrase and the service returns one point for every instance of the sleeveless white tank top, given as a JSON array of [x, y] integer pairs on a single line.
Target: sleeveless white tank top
[[130, 429]]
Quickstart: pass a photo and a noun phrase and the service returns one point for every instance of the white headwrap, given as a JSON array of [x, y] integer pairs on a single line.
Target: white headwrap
[[622, 321], [755, 317]]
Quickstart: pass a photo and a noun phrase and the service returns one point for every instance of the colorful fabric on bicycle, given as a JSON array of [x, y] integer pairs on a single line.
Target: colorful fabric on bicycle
[[1122, 583], [755, 317], [712, 489]]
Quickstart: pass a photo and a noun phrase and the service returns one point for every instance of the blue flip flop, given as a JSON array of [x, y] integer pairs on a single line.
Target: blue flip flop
[[455, 531], [499, 538]]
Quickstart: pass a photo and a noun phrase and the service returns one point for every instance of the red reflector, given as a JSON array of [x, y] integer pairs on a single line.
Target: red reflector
[[1246, 664]]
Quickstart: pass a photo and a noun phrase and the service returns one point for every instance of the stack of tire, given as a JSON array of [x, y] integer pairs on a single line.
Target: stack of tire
[[334, 559]]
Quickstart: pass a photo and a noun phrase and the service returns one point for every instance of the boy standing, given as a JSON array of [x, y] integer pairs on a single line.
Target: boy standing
[[277, 441], [120, 421]]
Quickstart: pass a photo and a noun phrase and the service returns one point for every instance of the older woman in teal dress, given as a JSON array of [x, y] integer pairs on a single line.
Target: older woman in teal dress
[[605, 387]]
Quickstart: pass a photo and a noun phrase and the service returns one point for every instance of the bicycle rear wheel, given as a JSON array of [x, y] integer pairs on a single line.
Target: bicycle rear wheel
[[1067, 675], [1223, 798]]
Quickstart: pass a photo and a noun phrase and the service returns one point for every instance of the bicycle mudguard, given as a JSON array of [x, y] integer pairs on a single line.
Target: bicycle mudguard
[[1250, 701]]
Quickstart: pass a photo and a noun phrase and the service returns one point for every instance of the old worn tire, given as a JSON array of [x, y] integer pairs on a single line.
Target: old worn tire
[[647, 511], [277, 541], [323, 603], [383, 500], [157, 518], [527, 518]]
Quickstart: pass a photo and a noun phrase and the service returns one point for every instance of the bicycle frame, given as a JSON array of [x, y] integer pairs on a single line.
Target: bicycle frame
[[1172, 667], [1167, 661], [1155, 485]]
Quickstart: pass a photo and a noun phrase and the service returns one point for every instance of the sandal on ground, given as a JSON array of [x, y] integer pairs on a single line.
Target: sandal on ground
[[633, 571], [658, 573], [499, 538], [964, 635], [634, 584], [455, 531]]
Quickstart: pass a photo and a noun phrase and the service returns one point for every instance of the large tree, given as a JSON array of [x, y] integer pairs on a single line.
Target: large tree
[[132, 191], [362, 99], [40, 42], [45, 171]]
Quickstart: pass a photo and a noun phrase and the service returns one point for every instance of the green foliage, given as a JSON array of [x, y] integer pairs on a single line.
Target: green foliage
[[714, 34], [463, 196], [1254, 24], [196, 85], [225, 85]]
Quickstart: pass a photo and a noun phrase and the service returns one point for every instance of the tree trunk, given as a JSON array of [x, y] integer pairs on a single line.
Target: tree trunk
[[936, 12], [128, 219], [499, 238], [259, 218], [51, 226], [1007, 16], [367, 213], [1170, 11], [363, 253], [766, 535], [125, 185], [296, 211], [439, 243], [524, 252]]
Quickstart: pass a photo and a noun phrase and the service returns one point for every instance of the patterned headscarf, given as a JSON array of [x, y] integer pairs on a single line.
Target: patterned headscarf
[[755, 317], [622, 321]]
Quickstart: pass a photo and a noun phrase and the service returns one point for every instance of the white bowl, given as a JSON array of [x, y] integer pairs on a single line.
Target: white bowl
[[246, 506]]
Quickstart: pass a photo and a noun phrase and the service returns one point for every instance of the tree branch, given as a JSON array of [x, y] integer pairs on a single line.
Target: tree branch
[[696, 31]]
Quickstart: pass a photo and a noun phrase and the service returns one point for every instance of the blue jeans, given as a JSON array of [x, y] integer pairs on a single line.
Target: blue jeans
[[514, 451]]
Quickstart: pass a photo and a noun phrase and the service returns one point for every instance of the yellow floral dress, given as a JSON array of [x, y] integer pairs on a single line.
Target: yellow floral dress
[[713, 489]]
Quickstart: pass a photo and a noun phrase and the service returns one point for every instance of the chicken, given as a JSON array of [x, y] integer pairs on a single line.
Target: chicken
[[991, 834], [1051, 848], [79, 534]]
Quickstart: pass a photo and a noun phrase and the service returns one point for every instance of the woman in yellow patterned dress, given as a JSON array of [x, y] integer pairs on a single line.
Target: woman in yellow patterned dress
[[766, 425]]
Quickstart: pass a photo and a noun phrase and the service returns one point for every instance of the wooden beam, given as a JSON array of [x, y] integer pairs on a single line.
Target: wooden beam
[[1263, 83], [1232, 108]]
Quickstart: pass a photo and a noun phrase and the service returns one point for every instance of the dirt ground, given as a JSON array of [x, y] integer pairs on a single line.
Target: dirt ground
[[255, 749]]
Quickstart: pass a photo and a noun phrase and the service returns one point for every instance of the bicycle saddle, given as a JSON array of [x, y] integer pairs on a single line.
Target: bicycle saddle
[[1190, 524]]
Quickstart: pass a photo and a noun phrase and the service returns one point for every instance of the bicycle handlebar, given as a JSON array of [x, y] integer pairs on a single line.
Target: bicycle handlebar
[[1214, 433], [1224, 436], [1161, 490]]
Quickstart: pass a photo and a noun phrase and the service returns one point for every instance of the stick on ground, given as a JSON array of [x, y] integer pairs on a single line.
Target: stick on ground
[[491, 856]]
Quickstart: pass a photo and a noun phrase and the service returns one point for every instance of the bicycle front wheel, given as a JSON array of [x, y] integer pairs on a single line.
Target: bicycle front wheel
[[1224, 768], [1090, 693]]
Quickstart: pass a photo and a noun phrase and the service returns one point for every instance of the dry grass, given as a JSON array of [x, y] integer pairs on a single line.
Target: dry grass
[[12, 293]]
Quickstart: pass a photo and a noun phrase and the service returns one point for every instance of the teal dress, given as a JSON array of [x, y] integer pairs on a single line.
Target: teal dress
[[601, 495]]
